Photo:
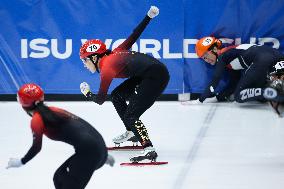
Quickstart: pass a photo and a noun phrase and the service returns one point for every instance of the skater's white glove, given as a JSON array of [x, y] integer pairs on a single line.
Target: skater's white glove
[[110, 160], [14, 162], [153, 11], [85, 88]]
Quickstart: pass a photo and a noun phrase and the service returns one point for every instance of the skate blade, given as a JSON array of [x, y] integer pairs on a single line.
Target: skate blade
[[126, 148], [154, 163]]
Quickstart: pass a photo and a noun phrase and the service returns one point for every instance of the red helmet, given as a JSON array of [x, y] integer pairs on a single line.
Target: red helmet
[[203, 45], [29, 94], [93, 46]]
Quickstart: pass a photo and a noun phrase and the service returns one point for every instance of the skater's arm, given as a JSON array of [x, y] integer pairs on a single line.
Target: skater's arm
[[106, 79], [92, 97], [37, 141], [218, 73], [222, 61], [219, 70], [154, 11], [99, 98]]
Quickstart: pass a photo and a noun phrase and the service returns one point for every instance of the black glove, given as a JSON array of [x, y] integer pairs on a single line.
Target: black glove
[[95, 98]]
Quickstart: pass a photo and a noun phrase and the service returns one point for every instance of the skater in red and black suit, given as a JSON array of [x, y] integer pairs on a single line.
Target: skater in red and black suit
[[146, 80], [60, 125]]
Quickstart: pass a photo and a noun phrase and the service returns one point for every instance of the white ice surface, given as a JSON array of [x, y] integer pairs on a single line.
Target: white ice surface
[[208, 146]]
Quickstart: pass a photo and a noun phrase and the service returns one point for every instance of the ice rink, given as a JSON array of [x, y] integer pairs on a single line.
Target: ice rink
[[208, 146]]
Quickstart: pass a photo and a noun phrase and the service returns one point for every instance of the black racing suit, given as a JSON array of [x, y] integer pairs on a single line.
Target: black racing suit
[[90, 149], [146, 80], [255, 60]]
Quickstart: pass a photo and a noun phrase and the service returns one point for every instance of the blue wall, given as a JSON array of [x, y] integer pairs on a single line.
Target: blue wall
[[40, 40]]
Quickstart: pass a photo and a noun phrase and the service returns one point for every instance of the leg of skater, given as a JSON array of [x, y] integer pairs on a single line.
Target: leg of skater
[[250, 86], [119, 96], [152, 85]]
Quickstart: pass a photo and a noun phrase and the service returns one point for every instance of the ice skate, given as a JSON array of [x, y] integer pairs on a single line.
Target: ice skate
[[127, 136], [149, 153]]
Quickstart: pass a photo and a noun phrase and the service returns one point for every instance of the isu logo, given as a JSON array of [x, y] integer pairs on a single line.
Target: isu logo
[[164, 48]]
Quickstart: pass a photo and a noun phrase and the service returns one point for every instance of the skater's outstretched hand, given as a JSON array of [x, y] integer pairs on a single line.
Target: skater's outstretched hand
[[14, 162], [153, 11]]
